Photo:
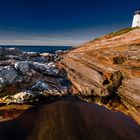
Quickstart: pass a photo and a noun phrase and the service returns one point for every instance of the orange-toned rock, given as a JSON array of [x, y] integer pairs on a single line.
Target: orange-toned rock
[[106, 66]]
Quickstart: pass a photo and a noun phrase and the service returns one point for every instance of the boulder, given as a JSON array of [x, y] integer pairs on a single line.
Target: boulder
[[47, 89], [22, 67], [9, 51], [40, 86], [44, 69], [8, 76]]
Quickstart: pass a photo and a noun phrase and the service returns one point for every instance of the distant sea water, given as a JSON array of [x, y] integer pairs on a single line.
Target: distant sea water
[[39, 49]]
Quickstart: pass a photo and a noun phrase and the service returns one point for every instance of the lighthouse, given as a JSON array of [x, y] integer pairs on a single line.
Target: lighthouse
[[136, 19]]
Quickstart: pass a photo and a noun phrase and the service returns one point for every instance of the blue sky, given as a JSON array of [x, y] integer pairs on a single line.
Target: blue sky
[[62, 22]]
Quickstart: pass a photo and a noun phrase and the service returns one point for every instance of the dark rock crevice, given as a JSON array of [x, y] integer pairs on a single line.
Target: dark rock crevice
[[116, 81]]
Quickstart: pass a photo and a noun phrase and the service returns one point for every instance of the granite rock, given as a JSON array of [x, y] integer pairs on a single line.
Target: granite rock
[[107, 66]]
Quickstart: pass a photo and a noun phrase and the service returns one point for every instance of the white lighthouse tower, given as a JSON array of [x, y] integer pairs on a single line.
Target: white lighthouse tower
[[136, 19]]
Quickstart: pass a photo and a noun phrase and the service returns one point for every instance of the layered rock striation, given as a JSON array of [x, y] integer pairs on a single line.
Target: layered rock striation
[[106, 67]]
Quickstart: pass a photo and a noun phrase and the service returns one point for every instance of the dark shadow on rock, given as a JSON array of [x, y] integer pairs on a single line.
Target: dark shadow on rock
[[70, 119]]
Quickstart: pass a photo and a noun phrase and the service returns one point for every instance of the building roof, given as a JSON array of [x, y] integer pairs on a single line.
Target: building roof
[[137, 12]]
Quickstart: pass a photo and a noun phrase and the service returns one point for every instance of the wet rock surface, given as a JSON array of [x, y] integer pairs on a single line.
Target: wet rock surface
[[69, 119]]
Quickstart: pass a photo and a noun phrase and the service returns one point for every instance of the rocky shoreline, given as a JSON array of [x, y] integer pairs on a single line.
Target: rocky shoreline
[[28, 76], [105, 71]]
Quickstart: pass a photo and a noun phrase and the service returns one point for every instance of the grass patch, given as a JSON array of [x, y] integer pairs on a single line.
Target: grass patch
[[123, 31], [116, 33]]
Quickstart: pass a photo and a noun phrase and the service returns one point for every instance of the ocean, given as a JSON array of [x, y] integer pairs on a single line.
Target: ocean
[[39, 49]]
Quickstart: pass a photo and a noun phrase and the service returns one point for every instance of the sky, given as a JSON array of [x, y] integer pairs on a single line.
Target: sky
[[62, 22]]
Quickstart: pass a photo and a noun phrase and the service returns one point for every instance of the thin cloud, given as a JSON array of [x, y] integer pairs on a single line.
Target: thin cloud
[[41, 41]]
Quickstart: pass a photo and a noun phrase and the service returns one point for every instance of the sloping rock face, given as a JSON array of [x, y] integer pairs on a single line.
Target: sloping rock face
[[107, 66]]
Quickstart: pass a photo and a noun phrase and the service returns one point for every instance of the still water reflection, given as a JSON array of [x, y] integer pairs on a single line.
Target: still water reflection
[[70, 119]]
